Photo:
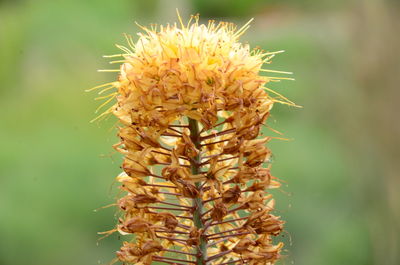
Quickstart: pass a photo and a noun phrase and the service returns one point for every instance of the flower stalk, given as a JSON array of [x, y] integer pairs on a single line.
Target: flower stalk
[[197, 202]]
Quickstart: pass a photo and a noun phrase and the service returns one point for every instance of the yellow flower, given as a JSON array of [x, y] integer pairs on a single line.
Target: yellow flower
[[191, 101]]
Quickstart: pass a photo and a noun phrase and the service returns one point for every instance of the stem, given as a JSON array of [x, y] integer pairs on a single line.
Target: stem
[[197, 202]]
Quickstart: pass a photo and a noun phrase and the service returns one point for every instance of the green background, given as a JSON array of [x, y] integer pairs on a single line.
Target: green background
[[340, 197]]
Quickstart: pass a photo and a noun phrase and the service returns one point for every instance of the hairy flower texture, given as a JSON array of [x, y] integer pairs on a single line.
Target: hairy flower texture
[[191, 102]]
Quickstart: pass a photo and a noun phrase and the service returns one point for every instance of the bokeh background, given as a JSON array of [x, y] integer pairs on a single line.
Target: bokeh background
[[340, 197]]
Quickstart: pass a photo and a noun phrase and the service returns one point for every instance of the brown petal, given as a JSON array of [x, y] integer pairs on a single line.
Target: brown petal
[[151, 246], [219, 211], [231, 195]]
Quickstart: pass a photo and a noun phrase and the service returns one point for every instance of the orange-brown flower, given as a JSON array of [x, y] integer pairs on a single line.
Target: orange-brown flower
[[191, 101]]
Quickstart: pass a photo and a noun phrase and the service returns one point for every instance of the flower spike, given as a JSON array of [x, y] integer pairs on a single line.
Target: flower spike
[[191, 103]]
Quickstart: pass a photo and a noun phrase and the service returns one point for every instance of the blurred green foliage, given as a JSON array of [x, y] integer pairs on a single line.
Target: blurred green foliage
[[225, 8], [56, 167]]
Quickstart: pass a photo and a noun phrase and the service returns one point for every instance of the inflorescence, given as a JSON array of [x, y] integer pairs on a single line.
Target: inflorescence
[[191, 102]]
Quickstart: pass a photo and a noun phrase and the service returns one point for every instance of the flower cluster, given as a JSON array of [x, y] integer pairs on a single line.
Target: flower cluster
[[191, 102]]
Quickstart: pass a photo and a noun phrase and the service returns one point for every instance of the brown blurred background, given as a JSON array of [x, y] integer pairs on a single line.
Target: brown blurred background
[[340, 198]]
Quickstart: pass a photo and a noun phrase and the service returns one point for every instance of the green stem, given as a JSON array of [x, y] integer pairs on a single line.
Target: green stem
[[197, 202]]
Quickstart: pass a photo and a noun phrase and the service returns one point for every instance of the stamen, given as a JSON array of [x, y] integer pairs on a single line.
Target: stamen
[[123, 49], [100, 86], [269, 53], [107, 96], [280, 78], [106, 89], [108, 70], [286, 103], [105, 103], [180, 19], [115, 55], [276, 71], [119, 61], [243, 29], [101, 116]]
